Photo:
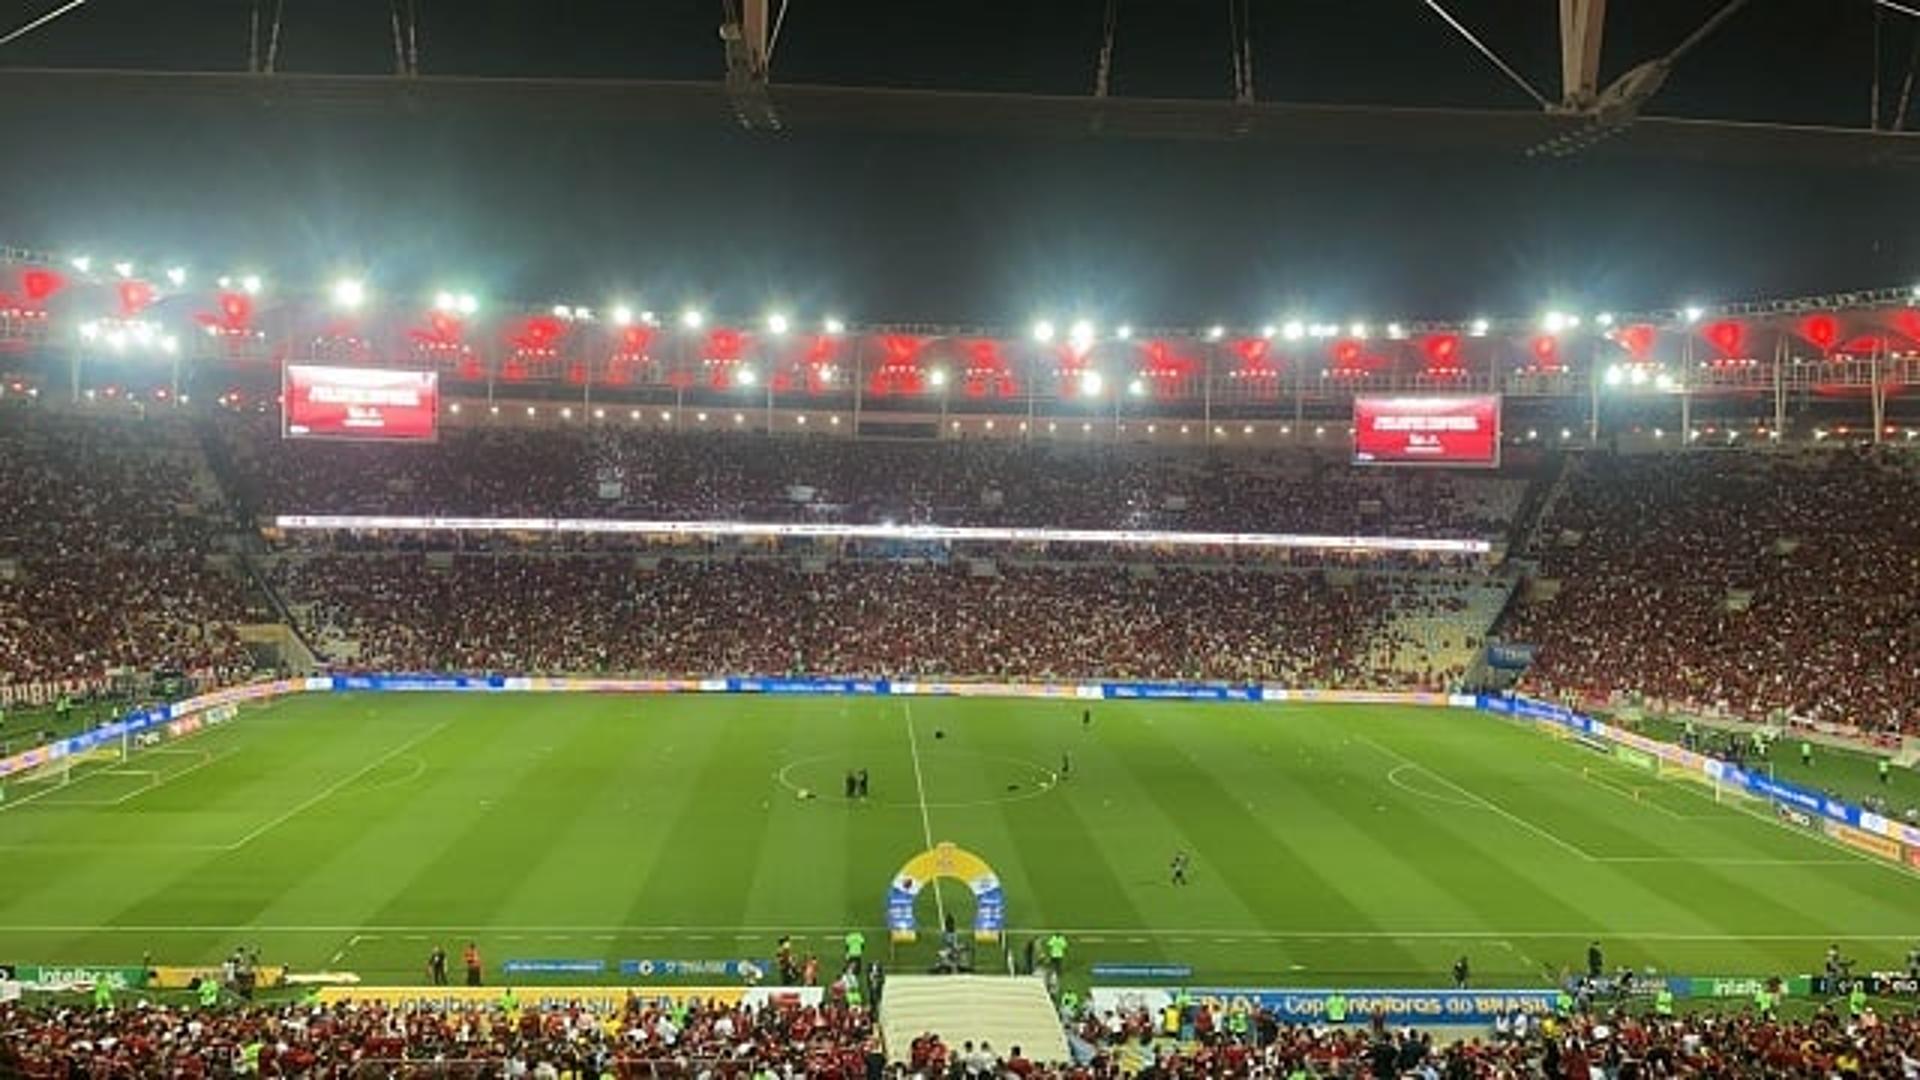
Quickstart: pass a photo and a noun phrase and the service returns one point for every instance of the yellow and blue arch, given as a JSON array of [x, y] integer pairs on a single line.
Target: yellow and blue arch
[[945, 860]]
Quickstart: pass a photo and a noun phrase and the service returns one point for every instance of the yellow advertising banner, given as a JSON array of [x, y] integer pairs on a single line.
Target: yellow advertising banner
[[1865, 841]]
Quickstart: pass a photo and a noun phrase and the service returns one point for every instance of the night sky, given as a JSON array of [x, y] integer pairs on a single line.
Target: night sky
[[898, 227]]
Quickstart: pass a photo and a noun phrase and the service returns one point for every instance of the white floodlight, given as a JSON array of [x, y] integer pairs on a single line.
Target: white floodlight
[[1293, 330], [1091, 383], [937, 377], [176, 276], [692, 319], [777, 323], [349, 293], [1043, 331], [834, 326], [622, 315]]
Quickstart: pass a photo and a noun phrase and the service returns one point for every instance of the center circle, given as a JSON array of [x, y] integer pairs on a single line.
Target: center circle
[[1020, 778]]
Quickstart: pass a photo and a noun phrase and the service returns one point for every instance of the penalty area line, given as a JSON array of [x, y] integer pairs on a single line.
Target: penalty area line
[[1540, 831], [324, 793]]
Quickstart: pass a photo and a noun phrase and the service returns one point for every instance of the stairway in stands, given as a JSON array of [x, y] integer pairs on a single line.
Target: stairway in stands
[[1003, 1011]]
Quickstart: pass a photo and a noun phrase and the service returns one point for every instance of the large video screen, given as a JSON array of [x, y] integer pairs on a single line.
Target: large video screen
[[1460, 430], [360, 403]]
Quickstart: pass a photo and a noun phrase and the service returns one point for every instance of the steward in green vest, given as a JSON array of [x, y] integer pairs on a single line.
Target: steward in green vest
[[1237, 1024], [1336, 1008], [1070, 1003], [102, 993], [853, 992], [250, 1058], [1763, 1001], [856, 944], [1663, 1002], [1563, 1003], [209, 992], [1856, 1001], [1057, 948], [509, 1003]]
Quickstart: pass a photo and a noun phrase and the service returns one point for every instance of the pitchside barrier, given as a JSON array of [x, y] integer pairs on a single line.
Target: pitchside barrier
[[1858, 829]]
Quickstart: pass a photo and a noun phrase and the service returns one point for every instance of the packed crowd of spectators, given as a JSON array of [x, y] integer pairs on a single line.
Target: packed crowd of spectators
[[606, 471], [105, 532], [597, 613], [1759, 583], [655, 1039], [642, 1039]]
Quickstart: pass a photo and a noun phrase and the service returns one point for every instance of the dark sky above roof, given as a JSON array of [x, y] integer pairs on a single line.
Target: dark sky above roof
[[933, 226]]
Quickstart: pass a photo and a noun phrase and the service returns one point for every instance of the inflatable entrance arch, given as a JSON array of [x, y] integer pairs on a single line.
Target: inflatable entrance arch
[[944, 860]]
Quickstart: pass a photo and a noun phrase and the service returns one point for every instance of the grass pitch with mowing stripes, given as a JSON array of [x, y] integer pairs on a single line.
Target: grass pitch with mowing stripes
[[1352, 844]]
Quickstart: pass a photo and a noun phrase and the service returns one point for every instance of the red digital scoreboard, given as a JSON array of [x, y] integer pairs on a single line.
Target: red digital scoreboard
[[360, 403], [1457, 430]]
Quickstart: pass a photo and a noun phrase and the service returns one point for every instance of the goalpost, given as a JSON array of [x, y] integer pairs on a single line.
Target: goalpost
[[102, 755]]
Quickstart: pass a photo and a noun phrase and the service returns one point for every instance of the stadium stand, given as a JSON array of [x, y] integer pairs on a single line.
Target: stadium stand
[[647, 1039], [602, 613], [1758, 583], [107, 560], [657, 475]]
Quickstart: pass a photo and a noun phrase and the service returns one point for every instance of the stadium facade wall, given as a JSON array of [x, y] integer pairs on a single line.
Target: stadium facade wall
[[182, 717]]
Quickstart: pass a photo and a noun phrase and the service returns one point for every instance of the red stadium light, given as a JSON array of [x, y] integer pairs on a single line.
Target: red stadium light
[[1254, 364], [1443, 354], [1907, 321], [38, 285], [1638, 339], [1822, 330], [232, 317], [1167, 369], [629, 351], [1546, 354], [725, 344], [899, 369], [1728, 337], [134, 297], [540, 335], [987, 373]]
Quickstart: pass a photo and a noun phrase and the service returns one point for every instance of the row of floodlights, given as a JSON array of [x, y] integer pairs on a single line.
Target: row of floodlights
[[352, 293]]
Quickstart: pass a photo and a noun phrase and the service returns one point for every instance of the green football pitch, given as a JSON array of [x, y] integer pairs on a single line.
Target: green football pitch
[[1330, 844]]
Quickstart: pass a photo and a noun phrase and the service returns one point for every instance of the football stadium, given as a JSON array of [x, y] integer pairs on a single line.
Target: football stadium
[[402, 675]]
